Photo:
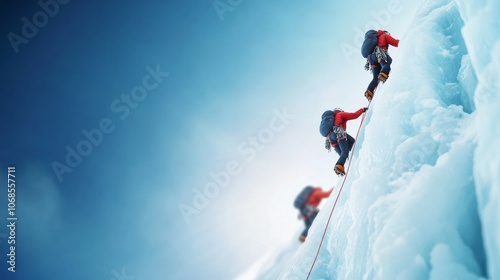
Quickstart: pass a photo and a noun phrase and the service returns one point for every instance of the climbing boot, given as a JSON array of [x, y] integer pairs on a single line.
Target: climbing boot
[[369, 95], [339, 170], [383, 77]]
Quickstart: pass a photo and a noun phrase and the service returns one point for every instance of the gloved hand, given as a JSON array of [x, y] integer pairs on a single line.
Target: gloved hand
[[367, 66], [365, 109], [328, 145]]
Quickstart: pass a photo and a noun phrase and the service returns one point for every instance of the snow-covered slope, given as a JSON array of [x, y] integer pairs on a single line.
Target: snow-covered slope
[[423, 194], [482, 37]]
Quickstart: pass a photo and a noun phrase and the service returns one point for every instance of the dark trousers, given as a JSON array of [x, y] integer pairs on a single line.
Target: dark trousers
[[386, 65], [309, 221], [383, 66], [343, 148]]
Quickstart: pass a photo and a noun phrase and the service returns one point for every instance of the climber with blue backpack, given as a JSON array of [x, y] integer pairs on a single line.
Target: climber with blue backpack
[[333, 126], [375, 50], [307, 203]]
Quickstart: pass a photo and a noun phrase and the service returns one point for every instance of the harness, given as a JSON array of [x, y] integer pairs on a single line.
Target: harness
[[307, 211], [381, 54], [339, 132]]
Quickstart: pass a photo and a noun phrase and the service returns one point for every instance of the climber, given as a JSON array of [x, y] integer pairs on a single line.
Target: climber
[[307, 203], [333, 126], [375, 50]]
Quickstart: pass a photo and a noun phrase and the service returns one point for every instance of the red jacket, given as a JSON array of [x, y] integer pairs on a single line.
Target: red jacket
[[341, 118], [317, 195], [384, 40]]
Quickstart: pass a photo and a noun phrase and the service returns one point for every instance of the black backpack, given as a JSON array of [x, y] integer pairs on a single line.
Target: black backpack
[[370, 43], [303, 197]]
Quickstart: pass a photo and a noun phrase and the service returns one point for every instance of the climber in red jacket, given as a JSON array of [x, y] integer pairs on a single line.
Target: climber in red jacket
[[339, 139], [380, 61], [310, 210]]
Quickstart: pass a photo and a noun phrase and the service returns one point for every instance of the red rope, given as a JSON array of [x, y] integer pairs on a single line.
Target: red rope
[[338, 195]]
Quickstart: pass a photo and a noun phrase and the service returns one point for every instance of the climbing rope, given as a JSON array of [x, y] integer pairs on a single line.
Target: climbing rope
[[340, 190]]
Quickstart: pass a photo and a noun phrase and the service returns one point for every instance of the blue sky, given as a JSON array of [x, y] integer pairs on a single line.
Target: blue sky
[[119, 206]]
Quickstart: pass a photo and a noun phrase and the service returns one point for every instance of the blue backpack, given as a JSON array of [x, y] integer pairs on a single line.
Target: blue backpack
[[370, 43], [326, 125], [303, 197]]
